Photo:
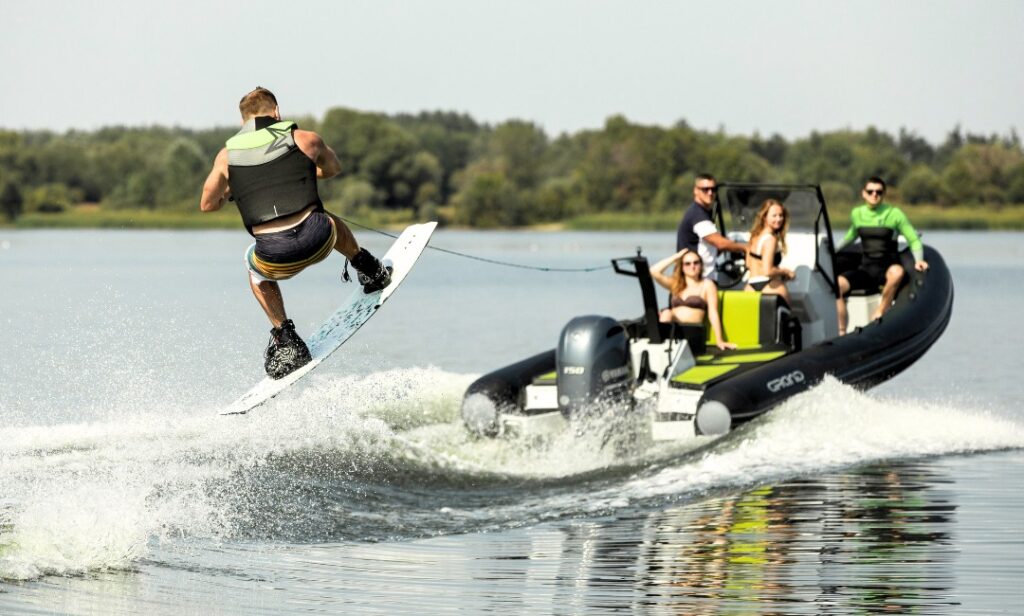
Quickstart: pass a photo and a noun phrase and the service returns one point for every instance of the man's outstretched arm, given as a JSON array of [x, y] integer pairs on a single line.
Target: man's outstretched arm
[[723, 243]]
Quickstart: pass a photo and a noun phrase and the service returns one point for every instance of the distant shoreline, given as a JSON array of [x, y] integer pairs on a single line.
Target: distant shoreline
[[1007, 218]]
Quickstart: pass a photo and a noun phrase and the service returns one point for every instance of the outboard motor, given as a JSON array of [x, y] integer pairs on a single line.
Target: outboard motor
[[592, 360]]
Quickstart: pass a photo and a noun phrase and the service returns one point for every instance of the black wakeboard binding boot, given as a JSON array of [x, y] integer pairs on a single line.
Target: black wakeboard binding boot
[[286, 352], [371, 272]]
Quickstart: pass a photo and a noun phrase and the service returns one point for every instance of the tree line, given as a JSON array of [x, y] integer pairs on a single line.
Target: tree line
[[509, 174]]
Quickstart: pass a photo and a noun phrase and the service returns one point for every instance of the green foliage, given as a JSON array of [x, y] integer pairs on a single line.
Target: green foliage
[[921, 185], [733, 159], [914, 149], [1015, 183], [773, 150], [956, 184], [981, 173], [846, 156], [87, 217], [182, 171], [673, 194], [839, 194], [139, 190], [557, 199], [445, 165], [449, 137], [50, 198], [380, 152], [623, 221], [489, 199], [623, 166], [11, 201], [355, 193], [966, 217], [518, 147]]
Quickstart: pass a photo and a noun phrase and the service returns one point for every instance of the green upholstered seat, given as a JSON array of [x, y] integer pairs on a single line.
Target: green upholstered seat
[[550, 378], [749, 323], [699, 375], [740, 312]]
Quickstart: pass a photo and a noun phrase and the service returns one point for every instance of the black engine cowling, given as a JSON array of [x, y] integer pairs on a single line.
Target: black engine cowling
[[592, 360]]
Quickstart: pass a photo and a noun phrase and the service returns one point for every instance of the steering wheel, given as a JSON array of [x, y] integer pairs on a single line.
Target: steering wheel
[[731, 267]]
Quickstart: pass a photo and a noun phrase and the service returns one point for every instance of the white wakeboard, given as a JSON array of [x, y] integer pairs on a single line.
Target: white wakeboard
[[356, 310]]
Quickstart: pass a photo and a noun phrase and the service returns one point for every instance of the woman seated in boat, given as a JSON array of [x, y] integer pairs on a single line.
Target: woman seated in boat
[[693, 296], [767, 245]]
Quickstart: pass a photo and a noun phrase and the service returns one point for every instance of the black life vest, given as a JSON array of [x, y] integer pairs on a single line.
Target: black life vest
[[878, 243], [268, 174]]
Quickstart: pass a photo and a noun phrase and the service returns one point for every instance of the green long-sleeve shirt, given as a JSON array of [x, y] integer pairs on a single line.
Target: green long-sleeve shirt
[[888, 216]]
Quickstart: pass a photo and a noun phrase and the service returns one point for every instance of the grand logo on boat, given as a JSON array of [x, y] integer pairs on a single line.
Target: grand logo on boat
[[785, 381]]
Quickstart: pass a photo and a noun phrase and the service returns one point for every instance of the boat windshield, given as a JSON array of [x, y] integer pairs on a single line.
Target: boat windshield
[[740, 203]]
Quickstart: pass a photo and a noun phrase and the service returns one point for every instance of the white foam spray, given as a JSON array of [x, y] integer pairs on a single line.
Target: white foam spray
[[79, 497]]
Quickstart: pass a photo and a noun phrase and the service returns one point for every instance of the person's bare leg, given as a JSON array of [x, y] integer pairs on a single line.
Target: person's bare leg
[[372, 274], [346, 243], [893, 278], [844, 288], [777, 287], [268, 294]]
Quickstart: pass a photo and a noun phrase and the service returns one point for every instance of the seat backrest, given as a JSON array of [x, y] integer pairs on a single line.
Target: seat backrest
[[749, 318], [741, 316]]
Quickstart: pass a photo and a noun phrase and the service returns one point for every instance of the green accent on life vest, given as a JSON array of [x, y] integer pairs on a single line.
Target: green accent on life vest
[[259, 138]]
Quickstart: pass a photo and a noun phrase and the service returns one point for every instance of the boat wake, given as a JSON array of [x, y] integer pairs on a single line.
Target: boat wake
[[384, 457]]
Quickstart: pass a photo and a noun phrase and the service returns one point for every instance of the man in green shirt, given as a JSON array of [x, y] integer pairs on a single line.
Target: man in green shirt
[[878, 225]]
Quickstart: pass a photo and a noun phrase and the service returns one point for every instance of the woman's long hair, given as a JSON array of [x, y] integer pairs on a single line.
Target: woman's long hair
[[759, 224], [679, 277]]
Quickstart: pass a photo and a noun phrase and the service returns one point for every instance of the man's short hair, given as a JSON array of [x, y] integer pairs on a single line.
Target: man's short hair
[[704, 176], [260, 101], [875, 180]]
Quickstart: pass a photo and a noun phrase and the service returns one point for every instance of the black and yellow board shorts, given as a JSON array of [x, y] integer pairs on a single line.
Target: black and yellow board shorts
[[282, 254]]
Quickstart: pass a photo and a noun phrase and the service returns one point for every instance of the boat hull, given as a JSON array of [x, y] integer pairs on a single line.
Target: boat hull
[[863, 358]]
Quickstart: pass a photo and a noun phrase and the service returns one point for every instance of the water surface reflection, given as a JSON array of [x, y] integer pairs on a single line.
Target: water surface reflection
[[875, 540], [878, 539]]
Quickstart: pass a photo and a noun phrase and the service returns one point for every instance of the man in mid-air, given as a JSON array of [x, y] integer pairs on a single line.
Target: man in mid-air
[[270, 170]]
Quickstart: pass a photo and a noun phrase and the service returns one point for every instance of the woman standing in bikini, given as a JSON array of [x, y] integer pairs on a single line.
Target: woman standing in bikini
[[767, 245], [693, 296]]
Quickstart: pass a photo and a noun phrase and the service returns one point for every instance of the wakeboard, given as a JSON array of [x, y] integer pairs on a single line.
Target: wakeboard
[[346, 320]]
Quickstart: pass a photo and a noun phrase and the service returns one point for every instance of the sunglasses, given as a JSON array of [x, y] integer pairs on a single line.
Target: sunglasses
[[874, 192], [708, 189], [685, 263]]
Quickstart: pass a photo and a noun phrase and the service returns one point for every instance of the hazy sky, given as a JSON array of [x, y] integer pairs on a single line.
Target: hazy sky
[[786, 67]]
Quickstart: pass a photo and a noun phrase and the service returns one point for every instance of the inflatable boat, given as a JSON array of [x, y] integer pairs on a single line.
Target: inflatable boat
[[675, 380]]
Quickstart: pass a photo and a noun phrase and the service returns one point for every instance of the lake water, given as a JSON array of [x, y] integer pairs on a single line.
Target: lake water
[[123, 491]]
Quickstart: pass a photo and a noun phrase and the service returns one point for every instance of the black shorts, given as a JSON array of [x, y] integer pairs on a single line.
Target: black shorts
[[282, 254], [870, 276]]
